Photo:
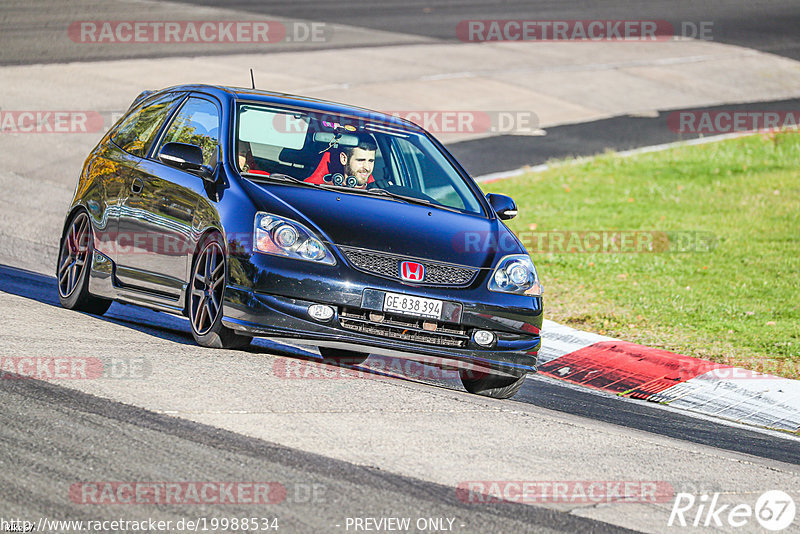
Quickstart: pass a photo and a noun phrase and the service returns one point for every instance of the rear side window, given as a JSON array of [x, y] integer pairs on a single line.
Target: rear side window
[[138, 130], [197, 123]]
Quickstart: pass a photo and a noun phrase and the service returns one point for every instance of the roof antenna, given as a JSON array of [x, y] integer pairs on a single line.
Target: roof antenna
[[252, 79]]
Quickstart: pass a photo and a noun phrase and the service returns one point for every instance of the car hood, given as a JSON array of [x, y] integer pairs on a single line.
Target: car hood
[[380, 223]]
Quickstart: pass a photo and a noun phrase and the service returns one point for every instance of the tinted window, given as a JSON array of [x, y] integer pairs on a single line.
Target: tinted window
[[349, 153], [419, 170], [197, 123], [135, 134]]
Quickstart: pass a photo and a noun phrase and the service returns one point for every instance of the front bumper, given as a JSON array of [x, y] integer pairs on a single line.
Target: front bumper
[[278, 317]]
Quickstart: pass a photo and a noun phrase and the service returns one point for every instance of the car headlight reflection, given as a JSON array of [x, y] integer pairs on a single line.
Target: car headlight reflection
[[283, 237], [519, 274], [516, 274]]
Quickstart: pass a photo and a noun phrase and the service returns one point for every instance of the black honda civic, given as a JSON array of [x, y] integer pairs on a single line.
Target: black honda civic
[[263, 214]]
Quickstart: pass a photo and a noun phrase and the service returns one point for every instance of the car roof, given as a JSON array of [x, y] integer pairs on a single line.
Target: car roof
[[285, 99]]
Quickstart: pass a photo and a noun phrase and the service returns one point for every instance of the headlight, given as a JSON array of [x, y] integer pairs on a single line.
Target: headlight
[[283, 237], [516, 274]]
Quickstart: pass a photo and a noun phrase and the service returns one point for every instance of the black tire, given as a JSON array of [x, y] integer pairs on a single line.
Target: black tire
[[204, 297], [74, 263], [491, 385], [347, 357]]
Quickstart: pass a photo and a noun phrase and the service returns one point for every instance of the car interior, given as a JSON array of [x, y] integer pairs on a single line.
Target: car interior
[[297, 150]]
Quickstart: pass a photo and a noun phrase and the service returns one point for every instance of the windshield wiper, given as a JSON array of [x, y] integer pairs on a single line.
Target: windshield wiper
[[408, 199], [378, 192], [279, 177], [385, 193]]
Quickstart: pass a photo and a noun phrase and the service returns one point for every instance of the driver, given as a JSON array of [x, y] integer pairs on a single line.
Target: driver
[[247, 162], [353, 168]]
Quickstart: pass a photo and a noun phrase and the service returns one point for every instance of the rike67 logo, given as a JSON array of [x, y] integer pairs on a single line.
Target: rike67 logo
[[774, 511]]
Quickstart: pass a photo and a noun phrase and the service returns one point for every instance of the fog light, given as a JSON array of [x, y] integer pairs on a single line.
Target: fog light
[[483, 337], [320, 312]]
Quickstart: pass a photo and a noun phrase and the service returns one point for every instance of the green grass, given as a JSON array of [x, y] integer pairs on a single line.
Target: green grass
[[737, 302]]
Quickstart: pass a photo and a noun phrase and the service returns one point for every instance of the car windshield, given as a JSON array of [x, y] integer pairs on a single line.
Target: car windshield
[[355, 154]]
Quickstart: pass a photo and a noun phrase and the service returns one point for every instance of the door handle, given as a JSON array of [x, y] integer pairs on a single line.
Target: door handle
[[137, 185]]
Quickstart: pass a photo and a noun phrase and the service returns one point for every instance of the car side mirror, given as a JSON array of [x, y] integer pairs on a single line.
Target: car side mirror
[[503, 206], [187, 157]]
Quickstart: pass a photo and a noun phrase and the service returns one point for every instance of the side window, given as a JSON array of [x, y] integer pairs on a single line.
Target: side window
[[423, 172], [197, 123], [411, 159], [135, 134]]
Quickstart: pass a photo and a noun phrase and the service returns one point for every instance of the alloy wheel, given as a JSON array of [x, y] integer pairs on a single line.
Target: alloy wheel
[[208, 283], [74, 255]]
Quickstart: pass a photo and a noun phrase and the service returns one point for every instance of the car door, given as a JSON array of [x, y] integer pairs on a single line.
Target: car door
[[135, 137], [163, 204], [114, 162]]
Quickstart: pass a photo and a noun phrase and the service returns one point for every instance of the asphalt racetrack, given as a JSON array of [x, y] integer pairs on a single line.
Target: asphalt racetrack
[[56, 435]]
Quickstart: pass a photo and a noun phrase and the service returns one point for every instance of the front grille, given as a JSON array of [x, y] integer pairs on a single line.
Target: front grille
[[388, 266], [373, 263], [403, 328]]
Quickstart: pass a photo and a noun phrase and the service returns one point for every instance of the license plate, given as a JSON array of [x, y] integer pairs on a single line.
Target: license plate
[[408, 305]]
